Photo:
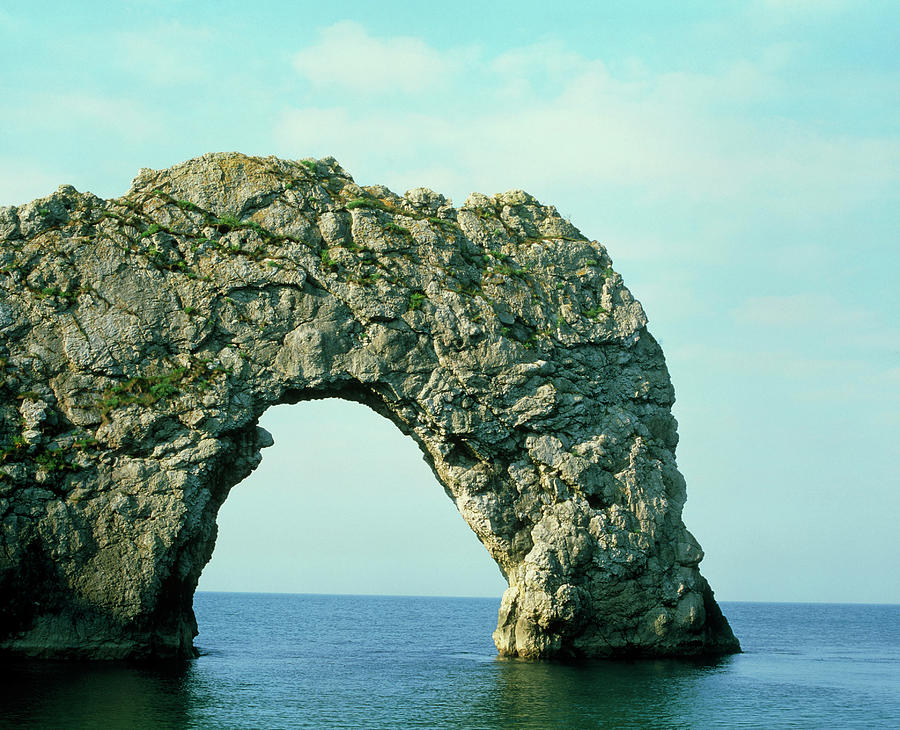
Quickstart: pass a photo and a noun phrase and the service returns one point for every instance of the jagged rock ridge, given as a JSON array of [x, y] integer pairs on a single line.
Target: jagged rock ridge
[[141, 338]]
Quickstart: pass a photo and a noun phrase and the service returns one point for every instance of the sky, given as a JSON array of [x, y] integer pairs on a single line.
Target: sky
[[740, 161]]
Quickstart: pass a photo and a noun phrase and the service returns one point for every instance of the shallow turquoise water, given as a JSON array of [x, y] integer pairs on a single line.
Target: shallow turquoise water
[[274, 660]]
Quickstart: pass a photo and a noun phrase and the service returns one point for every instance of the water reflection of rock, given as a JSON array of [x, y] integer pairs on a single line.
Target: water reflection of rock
[[95, 695], [642, 693]]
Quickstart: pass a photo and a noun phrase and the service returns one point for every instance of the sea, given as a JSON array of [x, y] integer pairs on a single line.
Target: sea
[[317, 661]]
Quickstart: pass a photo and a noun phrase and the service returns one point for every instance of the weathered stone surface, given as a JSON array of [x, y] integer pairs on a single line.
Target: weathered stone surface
[[141, 339]]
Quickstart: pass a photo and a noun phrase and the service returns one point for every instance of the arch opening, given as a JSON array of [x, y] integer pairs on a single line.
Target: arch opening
[[344, 503]]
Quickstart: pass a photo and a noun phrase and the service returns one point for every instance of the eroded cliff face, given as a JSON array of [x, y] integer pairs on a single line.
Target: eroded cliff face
[[141, 338]]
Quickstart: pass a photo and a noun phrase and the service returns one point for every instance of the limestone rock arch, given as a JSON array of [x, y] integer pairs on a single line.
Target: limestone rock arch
[[141, 338]]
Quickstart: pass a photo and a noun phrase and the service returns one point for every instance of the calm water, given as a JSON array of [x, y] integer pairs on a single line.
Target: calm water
[[383, 662]]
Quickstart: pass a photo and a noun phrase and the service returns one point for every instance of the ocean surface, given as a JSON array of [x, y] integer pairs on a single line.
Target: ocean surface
[[284, 661]]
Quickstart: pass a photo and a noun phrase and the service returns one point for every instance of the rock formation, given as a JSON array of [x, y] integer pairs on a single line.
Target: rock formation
[[141, 339]]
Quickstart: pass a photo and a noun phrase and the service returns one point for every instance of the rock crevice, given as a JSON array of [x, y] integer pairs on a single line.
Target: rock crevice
[[141, 338]]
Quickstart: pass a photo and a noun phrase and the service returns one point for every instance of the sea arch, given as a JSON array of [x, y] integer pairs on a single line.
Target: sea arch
[[144, 336]]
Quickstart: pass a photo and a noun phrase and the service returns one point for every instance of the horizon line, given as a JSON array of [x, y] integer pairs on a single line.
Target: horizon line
[[490, 598]]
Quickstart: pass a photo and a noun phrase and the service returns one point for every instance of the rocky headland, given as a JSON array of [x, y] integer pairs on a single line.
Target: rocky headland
[[141, 338]]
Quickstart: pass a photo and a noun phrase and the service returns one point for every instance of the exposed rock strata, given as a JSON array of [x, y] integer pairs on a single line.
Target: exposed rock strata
[[141, 339]]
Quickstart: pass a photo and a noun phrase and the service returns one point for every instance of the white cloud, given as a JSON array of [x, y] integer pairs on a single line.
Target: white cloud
[[347, 56], [8, 22], [545, 114], [810, 375], [804, 7], [519, 69], [823, 321], [802, 310], [336, 131], [121, 117], [170, 54]]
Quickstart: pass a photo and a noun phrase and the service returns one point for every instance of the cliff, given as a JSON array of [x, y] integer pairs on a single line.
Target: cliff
[[141, 338]]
